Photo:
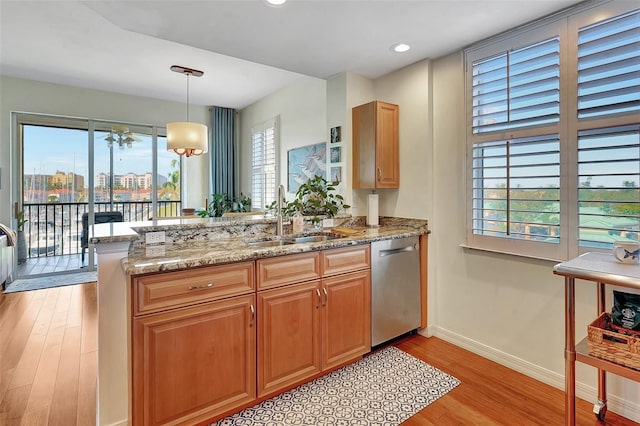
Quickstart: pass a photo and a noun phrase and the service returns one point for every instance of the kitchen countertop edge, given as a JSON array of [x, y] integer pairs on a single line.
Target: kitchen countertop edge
[[175, 256]]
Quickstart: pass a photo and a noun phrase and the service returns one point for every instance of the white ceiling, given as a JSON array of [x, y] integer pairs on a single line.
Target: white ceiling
[[246, 48]]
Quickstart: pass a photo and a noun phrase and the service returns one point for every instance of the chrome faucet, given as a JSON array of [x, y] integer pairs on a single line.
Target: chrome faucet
[[280, 201]]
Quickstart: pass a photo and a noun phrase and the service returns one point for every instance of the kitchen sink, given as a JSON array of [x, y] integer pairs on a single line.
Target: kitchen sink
[[269, 243], [283, 241], [316, 238], [276, 243], [273, 241]]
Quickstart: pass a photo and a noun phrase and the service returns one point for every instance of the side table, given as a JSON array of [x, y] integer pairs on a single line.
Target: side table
[[603, 269]]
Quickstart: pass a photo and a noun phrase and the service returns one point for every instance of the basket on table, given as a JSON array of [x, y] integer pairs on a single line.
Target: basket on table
[[611, 345]]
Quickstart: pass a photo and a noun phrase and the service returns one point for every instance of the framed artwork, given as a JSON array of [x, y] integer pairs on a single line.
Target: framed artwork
[[336, 134], [336, 154], [304, 163], [336, 175]]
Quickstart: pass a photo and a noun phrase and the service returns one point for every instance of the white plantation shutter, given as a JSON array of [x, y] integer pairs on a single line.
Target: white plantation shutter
[[608, 131], [553, 132], [264, 144], [608, 193], [516, 188], [517, 88], [609, 66], [514, 136]]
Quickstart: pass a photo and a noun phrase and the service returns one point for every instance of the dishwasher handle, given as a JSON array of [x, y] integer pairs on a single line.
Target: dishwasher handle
[[390, 252]]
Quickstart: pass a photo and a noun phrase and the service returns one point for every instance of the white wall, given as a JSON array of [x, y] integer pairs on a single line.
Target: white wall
[[44, 98], [409, 89], [507, 308], [360, 90], [302, 108], [337, 116]]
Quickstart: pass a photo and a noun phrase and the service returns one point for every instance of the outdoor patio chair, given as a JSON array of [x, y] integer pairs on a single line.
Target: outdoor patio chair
[[98, 217]]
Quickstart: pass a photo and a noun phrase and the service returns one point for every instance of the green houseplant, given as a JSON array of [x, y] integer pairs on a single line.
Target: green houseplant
[[222, 203], [316, 197]]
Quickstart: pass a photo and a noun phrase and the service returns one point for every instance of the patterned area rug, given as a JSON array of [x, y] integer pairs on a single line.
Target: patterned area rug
[[384, 388], [51, 281]]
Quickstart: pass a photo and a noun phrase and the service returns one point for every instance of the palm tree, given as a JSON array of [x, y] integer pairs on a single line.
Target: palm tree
[[171, 188]]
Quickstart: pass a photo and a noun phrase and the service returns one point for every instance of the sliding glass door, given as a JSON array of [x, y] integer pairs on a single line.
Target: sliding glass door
[[74, 173]]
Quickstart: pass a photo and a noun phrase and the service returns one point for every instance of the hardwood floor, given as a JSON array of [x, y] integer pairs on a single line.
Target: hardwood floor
[[48, 363], [491, 394], [48, 357]]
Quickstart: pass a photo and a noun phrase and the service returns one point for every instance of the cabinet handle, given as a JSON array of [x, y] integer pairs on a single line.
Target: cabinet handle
[[200, 287], [326, 296], [253, 315], [319, 298], [379, 174]]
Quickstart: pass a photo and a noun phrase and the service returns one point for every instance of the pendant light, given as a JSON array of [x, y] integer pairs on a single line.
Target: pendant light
[[185, 138]]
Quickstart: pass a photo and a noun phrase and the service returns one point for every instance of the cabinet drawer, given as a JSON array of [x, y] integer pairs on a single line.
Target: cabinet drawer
[[277, 271], [157, 292], [339, 261]]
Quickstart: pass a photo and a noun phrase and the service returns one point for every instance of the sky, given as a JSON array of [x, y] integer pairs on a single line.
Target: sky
[[49, 149]]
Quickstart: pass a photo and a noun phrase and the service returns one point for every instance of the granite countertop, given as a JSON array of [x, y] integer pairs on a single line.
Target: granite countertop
[[203, 242]]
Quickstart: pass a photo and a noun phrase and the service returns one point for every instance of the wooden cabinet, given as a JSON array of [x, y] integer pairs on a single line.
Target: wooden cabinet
[[315, 324], [206, 344], [158, 292], [347, 259], [376, 161], [289, 322], [346, 318], [190, 364], [283, 270]]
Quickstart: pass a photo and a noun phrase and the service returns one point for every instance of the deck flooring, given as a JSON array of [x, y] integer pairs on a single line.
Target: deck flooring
[[51, 265]]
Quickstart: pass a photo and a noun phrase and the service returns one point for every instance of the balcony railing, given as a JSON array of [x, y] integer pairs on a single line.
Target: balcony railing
[[55, 229]]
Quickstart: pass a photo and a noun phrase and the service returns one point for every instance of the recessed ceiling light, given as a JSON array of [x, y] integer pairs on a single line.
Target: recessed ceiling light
[[400, 47], [276, 2]]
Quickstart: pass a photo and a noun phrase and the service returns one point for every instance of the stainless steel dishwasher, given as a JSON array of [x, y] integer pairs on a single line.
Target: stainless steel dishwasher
[[395, 288]]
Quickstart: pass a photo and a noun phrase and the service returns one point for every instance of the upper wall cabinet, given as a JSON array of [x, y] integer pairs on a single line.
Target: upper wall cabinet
[[375, 146]]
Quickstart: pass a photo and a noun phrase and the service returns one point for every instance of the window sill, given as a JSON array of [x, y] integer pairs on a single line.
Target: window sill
[[527, 256]]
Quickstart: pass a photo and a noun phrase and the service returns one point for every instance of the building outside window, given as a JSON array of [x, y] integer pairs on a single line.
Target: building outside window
[[71, 166]]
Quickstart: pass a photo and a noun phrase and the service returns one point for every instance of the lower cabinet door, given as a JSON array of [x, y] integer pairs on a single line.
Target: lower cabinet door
[[192, 364], [346, 318], [288, 335]]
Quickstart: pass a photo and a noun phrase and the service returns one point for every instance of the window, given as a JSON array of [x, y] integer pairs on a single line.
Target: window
[[264, 144], [72, 166], [554, 136], [516, 188], [608, 176], [517, 88], [609, 66]]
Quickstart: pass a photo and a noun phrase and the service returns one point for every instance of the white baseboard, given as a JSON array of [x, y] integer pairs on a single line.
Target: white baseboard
[[623, 407], [124, 422]]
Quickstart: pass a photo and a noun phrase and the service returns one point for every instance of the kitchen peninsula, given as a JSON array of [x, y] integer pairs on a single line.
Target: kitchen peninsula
[[231, 275]]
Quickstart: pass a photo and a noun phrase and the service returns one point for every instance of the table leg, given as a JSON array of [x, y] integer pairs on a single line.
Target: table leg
[[569, 352], [600, 407]]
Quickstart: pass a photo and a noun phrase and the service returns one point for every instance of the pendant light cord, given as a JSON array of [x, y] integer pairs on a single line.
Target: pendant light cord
[[188, 74]]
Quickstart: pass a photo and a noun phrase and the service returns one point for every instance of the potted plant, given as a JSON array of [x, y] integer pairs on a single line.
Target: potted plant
[[316, 198], [21, 242], [222, 203]]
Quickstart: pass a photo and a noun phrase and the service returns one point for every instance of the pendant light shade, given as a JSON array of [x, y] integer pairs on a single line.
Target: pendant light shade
[[183, 137], [186, 138]]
